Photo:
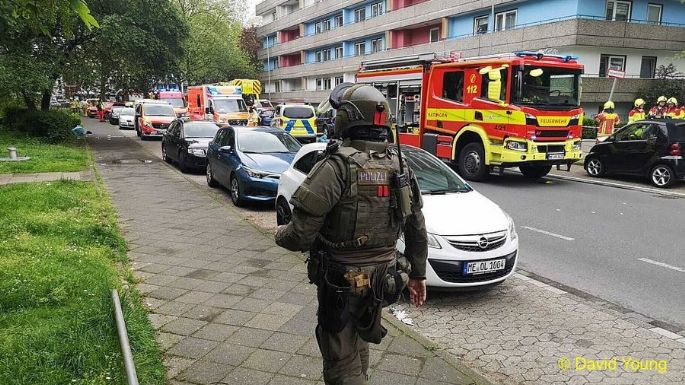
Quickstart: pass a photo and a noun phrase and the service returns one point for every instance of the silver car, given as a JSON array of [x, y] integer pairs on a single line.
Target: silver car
[[127, 118]]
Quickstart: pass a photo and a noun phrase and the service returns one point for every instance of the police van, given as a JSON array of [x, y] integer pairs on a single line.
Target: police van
[[299, 120]]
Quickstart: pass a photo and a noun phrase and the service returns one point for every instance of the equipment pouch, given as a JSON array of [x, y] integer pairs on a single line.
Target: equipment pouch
[[402, 195], [368, 321], [334, 304], [314, 266], [393, 285]]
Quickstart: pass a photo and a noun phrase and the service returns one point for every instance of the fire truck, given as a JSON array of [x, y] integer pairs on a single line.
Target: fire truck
[[486, 114], [221, 104]]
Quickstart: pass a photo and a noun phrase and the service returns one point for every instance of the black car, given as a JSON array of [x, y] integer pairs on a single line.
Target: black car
[[325, 122], [186, 143], [650, 148]]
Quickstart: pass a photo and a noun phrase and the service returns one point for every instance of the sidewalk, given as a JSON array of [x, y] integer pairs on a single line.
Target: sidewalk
[[43, 177], [229, 306]]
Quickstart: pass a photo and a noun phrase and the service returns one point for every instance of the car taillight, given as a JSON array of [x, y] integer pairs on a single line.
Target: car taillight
[[675, 149]]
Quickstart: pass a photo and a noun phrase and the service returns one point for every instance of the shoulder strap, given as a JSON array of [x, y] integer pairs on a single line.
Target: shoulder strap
[[347, 156]]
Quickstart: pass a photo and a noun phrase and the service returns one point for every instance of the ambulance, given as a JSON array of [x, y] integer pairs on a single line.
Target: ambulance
[[175, 98], [299, 120], [220, 104], [486, 114], [251, 89]]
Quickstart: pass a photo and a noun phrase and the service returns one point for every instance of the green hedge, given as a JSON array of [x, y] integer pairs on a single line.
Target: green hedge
[[51, 126], [589, 132]]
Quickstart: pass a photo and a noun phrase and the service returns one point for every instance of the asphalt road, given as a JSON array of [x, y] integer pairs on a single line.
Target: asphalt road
[[620, 245]]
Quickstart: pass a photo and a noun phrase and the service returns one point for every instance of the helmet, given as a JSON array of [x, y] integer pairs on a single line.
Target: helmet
[[639, 102], [673, 101], [661, 99], [362, 112], [609, 104]]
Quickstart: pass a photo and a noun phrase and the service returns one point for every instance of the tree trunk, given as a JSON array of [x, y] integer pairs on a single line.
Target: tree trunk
[[29, 101], [45, 100]]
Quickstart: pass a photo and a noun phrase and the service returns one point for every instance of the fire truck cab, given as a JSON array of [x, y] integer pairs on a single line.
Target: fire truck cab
[[487, 113]]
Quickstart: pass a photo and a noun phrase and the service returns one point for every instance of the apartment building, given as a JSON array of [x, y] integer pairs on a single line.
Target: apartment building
[[310, 46]]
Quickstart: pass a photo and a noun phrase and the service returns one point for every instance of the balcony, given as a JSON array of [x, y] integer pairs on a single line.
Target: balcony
[[596, 89], [300, 96], [266, 5]]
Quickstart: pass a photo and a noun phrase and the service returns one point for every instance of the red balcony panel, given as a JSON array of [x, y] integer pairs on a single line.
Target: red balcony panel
[[412, 36]]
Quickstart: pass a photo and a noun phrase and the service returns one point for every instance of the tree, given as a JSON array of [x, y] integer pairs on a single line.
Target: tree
[[669, 82], [250, 44]]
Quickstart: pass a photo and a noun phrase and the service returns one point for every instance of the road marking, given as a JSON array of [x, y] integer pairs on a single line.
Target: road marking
[[549, 233], [666, 333], [662, 264]]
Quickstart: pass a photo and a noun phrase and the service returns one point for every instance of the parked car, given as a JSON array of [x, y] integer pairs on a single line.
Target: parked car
[[114, 114], [153, 119], [649, 148], [249, 161], [325, 122], [186, 142], [472, 241], [265, 117], [127, 117], [299, 120]]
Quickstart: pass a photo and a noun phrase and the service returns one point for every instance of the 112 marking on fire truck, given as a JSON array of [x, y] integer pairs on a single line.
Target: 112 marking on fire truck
[[485, 113]]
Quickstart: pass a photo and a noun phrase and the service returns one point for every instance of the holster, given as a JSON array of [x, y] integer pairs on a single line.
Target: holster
[[334, 301]]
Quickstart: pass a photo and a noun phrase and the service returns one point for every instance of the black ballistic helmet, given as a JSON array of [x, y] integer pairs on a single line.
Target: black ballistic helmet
[[362, 112]]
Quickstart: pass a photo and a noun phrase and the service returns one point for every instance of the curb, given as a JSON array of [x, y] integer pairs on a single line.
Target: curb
[[617, 185]]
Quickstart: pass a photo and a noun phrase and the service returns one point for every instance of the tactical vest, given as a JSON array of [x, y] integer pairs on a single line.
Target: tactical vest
[[366, 216]]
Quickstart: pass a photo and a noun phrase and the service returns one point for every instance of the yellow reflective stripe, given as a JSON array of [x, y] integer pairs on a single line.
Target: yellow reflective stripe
[[467, 115]]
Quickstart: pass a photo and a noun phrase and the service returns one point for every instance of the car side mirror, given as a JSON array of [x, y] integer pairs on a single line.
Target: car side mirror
[[208, 110], [225, 149]]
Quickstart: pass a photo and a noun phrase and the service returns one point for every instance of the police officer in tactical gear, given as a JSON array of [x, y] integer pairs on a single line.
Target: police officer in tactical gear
[[348, 214]]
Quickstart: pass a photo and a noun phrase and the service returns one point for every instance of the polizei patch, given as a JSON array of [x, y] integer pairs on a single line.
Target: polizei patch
[[372, 177]]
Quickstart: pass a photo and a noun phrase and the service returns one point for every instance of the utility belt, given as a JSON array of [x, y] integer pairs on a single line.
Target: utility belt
[[373, 287]]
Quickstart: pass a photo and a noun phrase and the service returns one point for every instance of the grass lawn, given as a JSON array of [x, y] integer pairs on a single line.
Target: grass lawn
[[44, 157], [61, 253]]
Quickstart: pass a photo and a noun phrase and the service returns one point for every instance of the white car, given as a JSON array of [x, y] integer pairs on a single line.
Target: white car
[[127, 118], [472, 241]]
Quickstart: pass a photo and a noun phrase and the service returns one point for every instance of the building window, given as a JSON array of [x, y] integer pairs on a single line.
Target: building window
[[359, 14], [339, 21], [654, 13], [319, 56], [338, 52], [480, 25], [611, 62], [377, 9], [273, 15], [618, 10], [376, 45], [453, 86], [648, 67], [327, 83], [338, 80], [505, 20], [359, 48], [327, 25], [277, 86], [318, 27], [434, 35], [319, 84], [327, 54]]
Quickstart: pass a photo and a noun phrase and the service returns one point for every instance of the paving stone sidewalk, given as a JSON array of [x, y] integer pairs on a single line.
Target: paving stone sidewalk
[[230, 307], [43, 177]]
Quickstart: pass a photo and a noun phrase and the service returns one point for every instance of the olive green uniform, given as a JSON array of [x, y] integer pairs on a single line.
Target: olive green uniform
[[346, 207]]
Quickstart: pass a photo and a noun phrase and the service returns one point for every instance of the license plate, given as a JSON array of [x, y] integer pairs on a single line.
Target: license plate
[[482, 267], [555, 156]]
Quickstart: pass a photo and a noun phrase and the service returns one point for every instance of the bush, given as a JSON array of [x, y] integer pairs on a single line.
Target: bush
[[50, 126], [589, 122], [589, 132]]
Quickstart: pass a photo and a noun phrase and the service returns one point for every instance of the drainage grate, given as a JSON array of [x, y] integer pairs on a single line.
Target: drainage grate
[[131, 161]]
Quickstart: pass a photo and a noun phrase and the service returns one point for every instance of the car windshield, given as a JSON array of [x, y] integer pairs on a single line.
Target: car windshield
[[266, 104], [265, 142], [159, 110], [126, 111], [200, 129], [547, 87], [298, 112], [434, 176], [175, 102], [677, 133], [224, 106]]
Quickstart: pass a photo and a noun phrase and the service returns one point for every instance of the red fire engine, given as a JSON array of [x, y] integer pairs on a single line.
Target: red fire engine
[[486, 113]]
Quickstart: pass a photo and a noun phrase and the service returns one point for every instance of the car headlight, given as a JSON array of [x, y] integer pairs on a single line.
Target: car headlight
[[255, 173], [576, 145], [196, 151], [433, 241], [517, 146], [512, 229]]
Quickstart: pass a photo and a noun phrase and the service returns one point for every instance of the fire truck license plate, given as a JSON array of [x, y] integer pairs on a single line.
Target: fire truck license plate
[[481, 267], [555, 156]]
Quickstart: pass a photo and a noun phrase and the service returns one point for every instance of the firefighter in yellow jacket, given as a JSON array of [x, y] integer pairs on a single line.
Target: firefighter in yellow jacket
[[607, 119], [638, 111]]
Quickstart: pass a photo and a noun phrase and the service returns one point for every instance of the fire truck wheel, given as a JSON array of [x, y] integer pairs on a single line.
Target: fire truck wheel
[[472, 162], [535, 172]]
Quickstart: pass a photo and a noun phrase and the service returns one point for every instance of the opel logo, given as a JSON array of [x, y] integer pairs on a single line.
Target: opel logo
[[483, 242]]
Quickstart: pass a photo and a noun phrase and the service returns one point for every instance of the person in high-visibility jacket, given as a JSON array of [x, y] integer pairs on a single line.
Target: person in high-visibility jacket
[[607, 119], [638, 112], [672, 109], [659, 111]]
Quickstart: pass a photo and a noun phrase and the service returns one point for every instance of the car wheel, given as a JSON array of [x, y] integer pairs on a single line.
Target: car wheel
[[211, 182], [472, 162], [236, 195], [661, 176], [165, 157], [595, 167], [534, 172], [183, 161], [283, 213]]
